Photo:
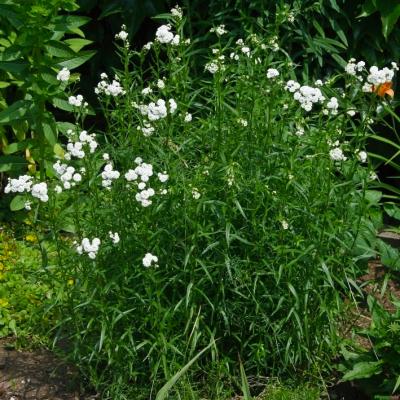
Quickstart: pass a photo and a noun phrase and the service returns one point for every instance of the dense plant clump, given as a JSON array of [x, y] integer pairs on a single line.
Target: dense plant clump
[[219, 213]]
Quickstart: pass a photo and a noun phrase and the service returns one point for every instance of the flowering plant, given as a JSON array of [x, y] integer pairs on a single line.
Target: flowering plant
[[225, 208]]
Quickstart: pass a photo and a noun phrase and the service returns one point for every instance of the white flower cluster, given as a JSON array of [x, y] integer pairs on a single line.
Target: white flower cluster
[[188, 117], [177, 12], [165, 36], [353, 67], [307, 96], [143, 172], [76, 149], [90, 248], [63, 75], [155, 111], [379, 76], [149, 259], [331, 106], [123, 35], [336, 153], [67, 174], [108, 175], [110, 89], [39, 190], [114, 236], [362, 155], [272, 73], [77, 101], [19, 185], [219, 30], [24, 184]]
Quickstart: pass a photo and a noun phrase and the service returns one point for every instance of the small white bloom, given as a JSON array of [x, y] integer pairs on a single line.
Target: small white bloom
[[195, 193], [160, 84], [362, 156], [188, 117], [149, 259], [63, 75], [285, 224], [272, 73], [336, 154], [163, 177], [114, 237]]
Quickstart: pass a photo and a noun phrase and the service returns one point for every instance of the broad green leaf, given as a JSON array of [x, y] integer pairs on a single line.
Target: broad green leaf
[[62, 104], [65, 23], [77, 44], [373, 196], [392, 210], [65, 126], [17, 203], [390, 257], [11, 163], [8, 12], [14, 112], [389, 20], [15, 67], [59, 49], [77, 61], [50, 132], [364, 369]]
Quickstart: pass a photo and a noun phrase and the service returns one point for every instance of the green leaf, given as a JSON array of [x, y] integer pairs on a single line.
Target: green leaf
[[14, 112], [364, 369], [8, 12], [15, 67], [77, 44], [50, 132], [17, 203], [11, 163], [390, 257], [59, 49], [77, 61], [392, 210], [389, 19], [65, 23], [373, 197], [163, 392], [368, 8], [62, 104], [65, 126]]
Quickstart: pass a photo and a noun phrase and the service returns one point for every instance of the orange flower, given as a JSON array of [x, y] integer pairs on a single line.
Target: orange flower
[[384, 88]]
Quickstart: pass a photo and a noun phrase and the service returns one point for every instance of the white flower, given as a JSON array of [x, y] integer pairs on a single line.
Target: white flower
[[172, 105], [285, 224], [27, 205], [75, 100], [188, 117], [156, 110], [351, 67], [292, 86], [39, 190], [106, 156], [141, 185], [195, 193], [272, 73], [58, 189], [147, 91], [148, 45], [333, 105], [246, 51], [90, 248], [77, 177], [379, 76], [114, 237], [362, 156], [164, 34], [148, 259], [131, 175], [123, 35], [163, 177], [20, 185], [219, 30], [160, 84], [299, 132], [318, 82], [336, 154], [108, 175], [351, 112], [242, 122], [177, 12], [175, 41], [367, 87], [63, 75], [212, 67]]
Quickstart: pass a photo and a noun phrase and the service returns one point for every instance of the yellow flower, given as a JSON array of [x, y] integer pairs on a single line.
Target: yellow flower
[[3, 303], [70, 282], [31, 238]]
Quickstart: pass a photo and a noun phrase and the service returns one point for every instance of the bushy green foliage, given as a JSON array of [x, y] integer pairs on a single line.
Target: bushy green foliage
[[21, 291], [36, 41], [376, 368], [237, 202]]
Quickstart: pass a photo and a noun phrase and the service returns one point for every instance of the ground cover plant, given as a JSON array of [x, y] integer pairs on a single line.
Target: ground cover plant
[[211, 232]]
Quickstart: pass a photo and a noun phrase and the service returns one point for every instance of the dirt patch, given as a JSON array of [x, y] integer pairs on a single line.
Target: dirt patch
[[37, 375]]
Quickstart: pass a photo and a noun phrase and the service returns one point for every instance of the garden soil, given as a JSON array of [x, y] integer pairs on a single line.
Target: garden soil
[[36, 375]]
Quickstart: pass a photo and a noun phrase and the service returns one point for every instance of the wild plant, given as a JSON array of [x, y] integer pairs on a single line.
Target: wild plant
[[215, 213]]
